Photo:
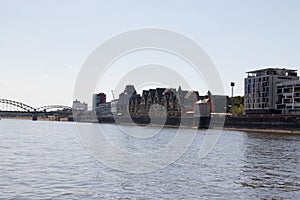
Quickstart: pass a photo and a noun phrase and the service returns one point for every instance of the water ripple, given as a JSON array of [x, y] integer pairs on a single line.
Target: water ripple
[[46, 160]]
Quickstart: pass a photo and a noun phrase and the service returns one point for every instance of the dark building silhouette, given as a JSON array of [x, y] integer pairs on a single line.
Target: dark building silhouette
[[98, 99], [159, 101]]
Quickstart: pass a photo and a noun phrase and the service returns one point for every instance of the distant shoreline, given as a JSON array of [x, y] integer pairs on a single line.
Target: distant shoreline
[[293, 132], [30, 119], [256, 130]]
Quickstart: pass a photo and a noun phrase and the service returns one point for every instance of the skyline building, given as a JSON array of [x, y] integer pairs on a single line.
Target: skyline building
[[260, 93], [98, 99], [78, 106]]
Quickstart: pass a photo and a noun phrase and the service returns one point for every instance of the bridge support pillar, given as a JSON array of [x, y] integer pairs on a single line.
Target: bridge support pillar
[[34, 117]]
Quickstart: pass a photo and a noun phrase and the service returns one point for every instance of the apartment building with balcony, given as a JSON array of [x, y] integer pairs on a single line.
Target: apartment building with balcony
[[260, 92], [288, 97]]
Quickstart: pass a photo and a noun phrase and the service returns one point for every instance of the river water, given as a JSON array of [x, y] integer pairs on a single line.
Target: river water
[[47, 160]]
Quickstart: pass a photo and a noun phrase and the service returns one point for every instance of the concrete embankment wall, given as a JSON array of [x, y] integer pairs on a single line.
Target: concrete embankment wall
[[264, 122], [168, 122]]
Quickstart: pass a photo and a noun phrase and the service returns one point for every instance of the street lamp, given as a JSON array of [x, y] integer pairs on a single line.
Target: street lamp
[[232, 85]]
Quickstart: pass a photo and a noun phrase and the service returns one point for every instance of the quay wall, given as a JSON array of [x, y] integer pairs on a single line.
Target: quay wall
[[264, 122], [287, 123], [192, 122]]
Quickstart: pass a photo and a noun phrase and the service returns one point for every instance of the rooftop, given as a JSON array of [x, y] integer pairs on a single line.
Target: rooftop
[[272, 71]]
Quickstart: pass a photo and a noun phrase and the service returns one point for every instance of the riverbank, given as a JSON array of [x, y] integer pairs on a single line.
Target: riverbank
[[293, 132], [286, 124], [38, 119], [282, 124], [264, 123]]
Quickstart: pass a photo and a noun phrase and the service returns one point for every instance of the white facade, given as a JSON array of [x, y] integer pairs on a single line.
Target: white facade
[[114, 107], [201, 109], [78, 106]]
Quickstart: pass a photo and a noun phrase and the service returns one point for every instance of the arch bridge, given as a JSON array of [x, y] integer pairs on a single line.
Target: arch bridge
[[15, 106], [10, 105], [53, 107]]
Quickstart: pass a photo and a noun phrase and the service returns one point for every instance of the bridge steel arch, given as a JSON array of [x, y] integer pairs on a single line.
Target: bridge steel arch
[[49, 107], [18, 104]]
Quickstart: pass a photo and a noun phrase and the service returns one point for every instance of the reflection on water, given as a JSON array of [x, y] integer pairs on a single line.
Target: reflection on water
[[47, 160]]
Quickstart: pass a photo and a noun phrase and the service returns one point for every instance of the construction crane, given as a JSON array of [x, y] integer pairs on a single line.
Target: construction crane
[[112, 92]]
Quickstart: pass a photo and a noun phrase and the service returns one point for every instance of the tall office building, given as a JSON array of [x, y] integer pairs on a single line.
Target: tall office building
[[98, 99], [260, 89]]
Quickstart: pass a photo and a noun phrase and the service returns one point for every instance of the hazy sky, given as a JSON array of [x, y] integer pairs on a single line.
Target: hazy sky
[[44, 43]]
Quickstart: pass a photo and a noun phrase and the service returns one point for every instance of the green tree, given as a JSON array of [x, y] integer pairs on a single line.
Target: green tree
[[237, 110], [236, 105]]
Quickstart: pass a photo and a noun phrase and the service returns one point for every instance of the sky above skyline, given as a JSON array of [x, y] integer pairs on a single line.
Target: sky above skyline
[[43, 44]]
